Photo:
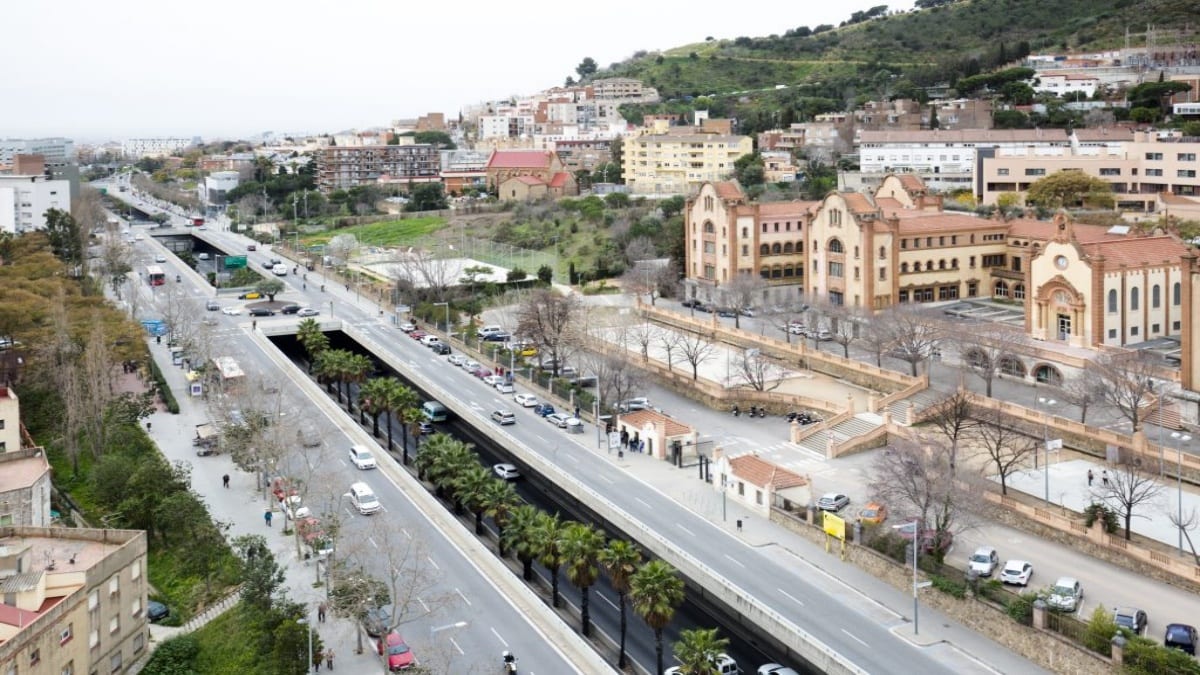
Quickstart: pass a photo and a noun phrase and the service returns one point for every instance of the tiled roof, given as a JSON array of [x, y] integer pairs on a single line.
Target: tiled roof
[[1139, 251], [911, 182], [857, 203], [560, 179], [913, 222], [780, 209], [763, 473], [728, 190], [528, 180], [889, 205], [639, 418], [519, 159], [1045, 230]]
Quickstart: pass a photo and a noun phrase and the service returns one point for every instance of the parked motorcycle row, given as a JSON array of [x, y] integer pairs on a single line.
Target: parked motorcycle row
[[802, 417]]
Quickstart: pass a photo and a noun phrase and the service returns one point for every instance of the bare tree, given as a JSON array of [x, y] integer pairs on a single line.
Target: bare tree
[[422, 269], [876, 338], [1185, 522], [757, 371], [1129, 487], [644, 333], [342, 248], [617, 379], [551, 319], [645, 272], [844, 325], [670, 341], [920, 484], [1084, 391], [984, 346], [743, 292], [913, 332], [696, 349], [1007, 449], [1128, 384], [953, 417]]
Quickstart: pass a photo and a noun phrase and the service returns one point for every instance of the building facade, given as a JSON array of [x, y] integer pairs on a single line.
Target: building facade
[[543, 165], [676, 164], [10, 419], [25, 488], [24, 201], [341, 167], [217, 185], [136, 148]]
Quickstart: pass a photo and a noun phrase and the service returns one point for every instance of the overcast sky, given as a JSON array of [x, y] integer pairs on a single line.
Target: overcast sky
[[134, 68]]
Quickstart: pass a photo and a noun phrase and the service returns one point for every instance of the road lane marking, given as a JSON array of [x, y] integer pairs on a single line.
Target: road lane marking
[[372, 542], [406, 533], [498, 637], [690, 533], [606, 479], [460, 650], [735, 560], [460, 594], [423, 605], [610, 602], [641, 501], [852, 637], [790, 597]]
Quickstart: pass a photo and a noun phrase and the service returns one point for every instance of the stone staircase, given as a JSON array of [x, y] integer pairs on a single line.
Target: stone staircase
[[917, 402], [858, 425]]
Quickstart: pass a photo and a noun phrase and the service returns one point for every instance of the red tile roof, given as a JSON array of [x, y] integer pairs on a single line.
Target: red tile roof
[[857, 203], [911, 182], [519, 159], [1139, 251], [639, 418], [763, 473], [528, 180], [913, 221], [781, 209], [560, 179], [1045, 231], [728, 190]]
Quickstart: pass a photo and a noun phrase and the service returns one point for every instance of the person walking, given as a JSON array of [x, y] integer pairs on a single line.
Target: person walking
[[1104, 477], [225, 481], [1091, 477], [321, 612], [329, 659], [267, 516], [317, 657]]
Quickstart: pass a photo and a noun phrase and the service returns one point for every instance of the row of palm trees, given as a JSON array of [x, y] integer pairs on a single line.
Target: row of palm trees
[[578, 549], [377, 396]]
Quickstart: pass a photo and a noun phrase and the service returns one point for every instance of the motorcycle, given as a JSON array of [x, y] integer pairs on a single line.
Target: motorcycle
[[510, 663], [736, 411]]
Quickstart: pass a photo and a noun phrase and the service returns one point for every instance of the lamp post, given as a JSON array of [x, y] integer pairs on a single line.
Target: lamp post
[[308, 663], [447, 306], [916, 548], [1179, 439], [331, 309], [1046, 402]]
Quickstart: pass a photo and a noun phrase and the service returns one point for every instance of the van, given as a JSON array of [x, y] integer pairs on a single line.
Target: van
[[279, 270], [725, 665], [485, 331], [434, 411], [363, 498]]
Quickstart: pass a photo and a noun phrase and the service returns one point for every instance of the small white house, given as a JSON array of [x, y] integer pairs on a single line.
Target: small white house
[[755, 482]]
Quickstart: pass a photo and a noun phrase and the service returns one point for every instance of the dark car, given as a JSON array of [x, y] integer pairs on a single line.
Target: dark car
[[376, 620], [267, 264], [726, 313], [1132, 618], [251, 247], [261, 311], [440, 348], [704, 308], [156, 611], [690, 302], [497, 337], [1181, 636], [543, 409], [290, 309]]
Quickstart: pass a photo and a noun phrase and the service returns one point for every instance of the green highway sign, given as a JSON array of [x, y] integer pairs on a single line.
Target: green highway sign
[[235, 261]]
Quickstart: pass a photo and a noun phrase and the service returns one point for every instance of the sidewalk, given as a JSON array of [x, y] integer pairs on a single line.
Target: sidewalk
[[241, 505]]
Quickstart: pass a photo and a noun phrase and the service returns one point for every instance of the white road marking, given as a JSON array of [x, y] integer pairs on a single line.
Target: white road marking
[[460, 651], [789, 596], [852, 637], [610, 602], [641, 501], [406, 533], [502, 640], [460, 594], [734, 560], [372, 542], [606, 479], [423, 605], [690, 533], [476, 406], [431, 562]]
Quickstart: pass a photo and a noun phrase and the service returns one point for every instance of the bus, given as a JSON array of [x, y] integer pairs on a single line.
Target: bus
[[155, 275]]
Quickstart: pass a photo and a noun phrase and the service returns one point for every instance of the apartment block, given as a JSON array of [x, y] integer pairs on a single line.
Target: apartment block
[[25, 488], [676, 164], [51, 149], [74, 600], [346, 167], [136, 148], [623, 89], [24, 201]]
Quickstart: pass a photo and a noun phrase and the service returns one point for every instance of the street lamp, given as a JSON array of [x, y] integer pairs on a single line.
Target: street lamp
[[916, 549], [1179, 439], [433, 630], [1046, 403], [308, 663], [447, 306]]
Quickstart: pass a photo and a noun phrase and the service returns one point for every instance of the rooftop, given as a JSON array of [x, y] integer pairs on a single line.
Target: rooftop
[[760, 472], [19, 472], [640, 418]]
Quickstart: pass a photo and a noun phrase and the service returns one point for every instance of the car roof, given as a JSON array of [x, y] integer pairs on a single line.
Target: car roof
[[985, 549], [1016, 563], [1066, 581], [1129, 611]]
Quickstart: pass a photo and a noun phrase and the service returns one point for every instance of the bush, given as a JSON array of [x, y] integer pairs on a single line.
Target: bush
[[161, 382], [1020, 609], [949, 586], [1144, 657], [1098, 511], [176, 656], [1099, 633]]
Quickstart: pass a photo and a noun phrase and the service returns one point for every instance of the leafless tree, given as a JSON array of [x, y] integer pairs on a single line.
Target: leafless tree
[[1185, 522], [696, 350], [551, 320], [876, 338], [644, 333], [1007, 449], [1129, 487], [670, 341], [342, 248], [913, 332], [757, 371], [1084, 391], [645, 273], [743, 292], [423, 269], [1128, 384], [953, 417], [844, 325], [920, 484], [617, 379], [984, 346]]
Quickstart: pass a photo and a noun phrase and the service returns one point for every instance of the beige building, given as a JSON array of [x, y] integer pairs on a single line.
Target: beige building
[[1139, 169], [678, 163], [74, 600], [25, 488], [757, 483], [343, 167], [10, 420]]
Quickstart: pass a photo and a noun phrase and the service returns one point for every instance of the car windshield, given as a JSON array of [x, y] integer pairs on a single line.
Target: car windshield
[[1178, 634], [398, 649], [869, 513], [980, 557], [1064, 590], [362, 454]]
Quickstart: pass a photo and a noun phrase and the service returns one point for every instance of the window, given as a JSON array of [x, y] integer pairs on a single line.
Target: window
[[1185, 173], [902, 298], [776, 249], [1035, 172], [1185, 156], [835, 270], [1134, 297], [115, 662], [1018, 291], [994, 260], [948, 293], [856, 273], [764, 228], [836, 298], [856, 253], [882, 253], [929, 241], [741, 489], [94, 600], [1155, 328], [903, 268], [745, 251], [1175, 325], [1133, 331], [35, 657], [916, 242], [114, 624], [882, 273], [710, 247], [776, 227], [65, 635], [942, 264], [1153, 172], [954, 263], [708, 228], [139, 642], [1155, 297], [1000, 290], [1016, 264], [971, 262], [114, 585], [1110, 172], [764, 250], [903, 244], [800, 246], [1001, 172], [68, 669], [972, 289], [835, 246], [135, 571], [758, 497], [745, 232], [1112, 301], [1112, 333], [1175, 294], [94, 638], [1154, 155], [787, 248]]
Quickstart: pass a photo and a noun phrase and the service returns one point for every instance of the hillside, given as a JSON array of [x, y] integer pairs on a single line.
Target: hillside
[[889, 55]]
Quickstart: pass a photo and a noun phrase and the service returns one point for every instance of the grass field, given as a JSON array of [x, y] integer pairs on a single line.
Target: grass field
[[389, 233]]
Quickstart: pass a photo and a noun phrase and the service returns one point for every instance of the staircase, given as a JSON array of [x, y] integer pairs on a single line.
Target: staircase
[[858, 425], [817, 443], [919, 401]]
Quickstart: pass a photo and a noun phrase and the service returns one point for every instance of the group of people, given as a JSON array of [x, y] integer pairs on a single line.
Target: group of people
[[632, 444]]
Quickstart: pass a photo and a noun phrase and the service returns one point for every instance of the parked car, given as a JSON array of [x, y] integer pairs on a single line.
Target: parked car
[[543, 409], [690, 302], [417, 334], [1132, 618], [726, 313], [212, 305], [775, 669], [503, 417], [252, 295], [399, 655], [232, 311], [408, 326], [984, 561], [308, 311], [497, 337], [440, 348], [261, 311], [931, 539], [290, 309], [471, 365], [251, 247], [1066, 594], [506, 471], [833, 501], [376, 619], [456, 359], [873, 513], [505, 388], [557, 419], [1181, 636], [638, 403], [481, 372], [493, 380], [361, 457], [1016, 572], [156, 611], [526, 400], [430, 340]]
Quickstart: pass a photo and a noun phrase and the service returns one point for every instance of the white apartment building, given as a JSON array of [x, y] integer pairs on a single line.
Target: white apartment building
[[24, 201], [506, 125], [676, 164], [1060, 84], [155, 147], [53, 150], [217, 185]]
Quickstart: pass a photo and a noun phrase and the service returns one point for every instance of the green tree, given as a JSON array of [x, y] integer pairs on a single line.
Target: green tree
[[67, 240], [357, 368], [520, 536], [403, 403], [289, 648], [545, 274], [656, 592], [1017, 93], [372, 400], [672, 206], [581, 546], [329, 367], [1070, 189], [620, 560], [500, 498], [933, 117], [548, 536], [312, 339], [698, 650], [427, 197], [261, 575], [432, 137], [749, 169], [586, 68], [471, 486], [269, 288]]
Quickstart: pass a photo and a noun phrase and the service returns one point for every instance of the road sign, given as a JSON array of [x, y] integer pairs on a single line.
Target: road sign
[[234, 262], [1054, 444], [924, 584]]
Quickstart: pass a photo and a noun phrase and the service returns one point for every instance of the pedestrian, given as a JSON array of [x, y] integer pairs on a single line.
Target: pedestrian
[[305, 285], [739, 524], [576, 411], [1104, 477], [642, 446], [225, 481], [1091, 477], [254, 325], [321, 612], [317, 658], [267, 516], [329, 659]]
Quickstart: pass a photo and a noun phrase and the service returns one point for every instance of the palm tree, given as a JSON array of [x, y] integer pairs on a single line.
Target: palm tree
[[581, 544], [620, 559], [447, 466], [656, 593], [471, 489], [372, 400], [500, 499], [430, 454], [698, 650], [357, 368], [314, 341], [547, 538], [519, 535], [404, 406], [328, 368]]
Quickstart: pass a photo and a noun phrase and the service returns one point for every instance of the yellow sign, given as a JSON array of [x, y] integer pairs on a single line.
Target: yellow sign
[[835, 526]]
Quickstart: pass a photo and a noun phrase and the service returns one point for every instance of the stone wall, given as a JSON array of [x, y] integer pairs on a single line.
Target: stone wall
[[1044, 648]]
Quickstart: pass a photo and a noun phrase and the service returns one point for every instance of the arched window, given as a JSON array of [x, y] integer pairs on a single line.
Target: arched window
[[1155, 297], [787, 247], [765, 272], [788, 272], [928, 265], [855, 251], [1134, 299], [882, 252], [917, 266], [942, 264], [693, 227], [776, 272], [764, 249], [1018, 291], [745, 232], [903, 268], [800, 246], [1001, 290], [835, 246], [776, 249], [709, 228], [954, 263], [1112, 301], [1175, 294], [1048, 374], [1011, 365]]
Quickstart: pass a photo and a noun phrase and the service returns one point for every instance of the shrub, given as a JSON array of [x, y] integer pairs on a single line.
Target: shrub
[[948, 586], [1098, 511], [1020, 609], [1099, 633], [1145, 657], [167, 396]]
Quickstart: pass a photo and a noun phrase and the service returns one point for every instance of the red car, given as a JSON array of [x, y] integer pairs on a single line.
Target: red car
[[417, 334], [481, 372], [399, 655]]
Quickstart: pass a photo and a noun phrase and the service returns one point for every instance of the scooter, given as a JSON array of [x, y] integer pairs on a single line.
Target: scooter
[[510, 663], [736, 411]]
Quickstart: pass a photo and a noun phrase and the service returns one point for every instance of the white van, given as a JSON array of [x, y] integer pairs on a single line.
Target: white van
[[363, 498], [488, 330], [279, 270]]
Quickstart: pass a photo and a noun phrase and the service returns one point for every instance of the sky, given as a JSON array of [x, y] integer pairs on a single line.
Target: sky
[[97, 71]]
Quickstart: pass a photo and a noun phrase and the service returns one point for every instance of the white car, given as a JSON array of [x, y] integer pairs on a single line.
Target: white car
[[430, 340], [470, 365], [557, 419], [506, 471], [984, 561], [1066, 594], [456, 359], [408, 326], [361, 457], [494, 380], [232, 311], [505, 387], [1016, 572], [160, 258], [308, 311], [526, 400]]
